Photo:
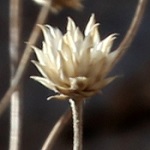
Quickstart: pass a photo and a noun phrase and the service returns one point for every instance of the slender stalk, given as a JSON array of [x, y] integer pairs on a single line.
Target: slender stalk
[[132, 31], [24, 60], [77, 110], [55, 132], [15, 122], [15, 115]]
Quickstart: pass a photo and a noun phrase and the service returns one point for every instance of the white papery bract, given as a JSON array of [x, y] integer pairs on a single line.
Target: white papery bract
[[74, 65]]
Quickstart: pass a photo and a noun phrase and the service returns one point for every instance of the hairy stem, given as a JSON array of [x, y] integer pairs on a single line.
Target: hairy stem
[[59, 126], [15, 122], [14, 40], [77, 110], [24, 60]]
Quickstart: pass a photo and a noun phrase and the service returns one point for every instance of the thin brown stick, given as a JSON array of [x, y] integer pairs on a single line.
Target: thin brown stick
[[122, 49], [24, 60], [15, 115], [132, 31], [55, 132]]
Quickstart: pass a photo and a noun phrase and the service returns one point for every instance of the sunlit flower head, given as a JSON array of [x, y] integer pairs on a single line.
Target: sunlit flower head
[[57, 5], [74, 65]]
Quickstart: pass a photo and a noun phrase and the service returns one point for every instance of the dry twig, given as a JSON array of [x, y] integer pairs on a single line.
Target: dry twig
[[24, 60], [56, 130], [15, 115], [132, 31]]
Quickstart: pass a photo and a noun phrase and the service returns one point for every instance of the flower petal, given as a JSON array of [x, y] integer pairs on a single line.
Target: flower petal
[[39, 54], [108, 80], [78, 36], [70, 42], [50, 73], [46, 82], [102, 83], [89, 25], [59, 97], [71, 26], [95, 34], [107, 43], [40, 69]]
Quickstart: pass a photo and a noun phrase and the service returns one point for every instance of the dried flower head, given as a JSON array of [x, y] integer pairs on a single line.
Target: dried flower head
[[57, 5], [74, 65]]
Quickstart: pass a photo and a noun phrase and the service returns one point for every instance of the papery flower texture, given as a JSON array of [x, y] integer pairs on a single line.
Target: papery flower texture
[[74, 65]]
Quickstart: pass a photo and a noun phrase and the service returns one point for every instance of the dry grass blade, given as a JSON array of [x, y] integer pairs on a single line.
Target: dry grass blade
[[58, 127], [131, 33], [15, 115], [24, 60]]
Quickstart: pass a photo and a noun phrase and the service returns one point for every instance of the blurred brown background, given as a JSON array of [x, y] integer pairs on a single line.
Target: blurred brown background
[[119, 118]]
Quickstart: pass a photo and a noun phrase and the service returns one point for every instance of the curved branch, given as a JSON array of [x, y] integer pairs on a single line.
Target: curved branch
[[132, 31], [24, 60], [56, 130]]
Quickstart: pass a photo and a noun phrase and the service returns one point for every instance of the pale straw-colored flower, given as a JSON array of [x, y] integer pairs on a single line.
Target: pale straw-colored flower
[[57, 5], [74, 65]]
